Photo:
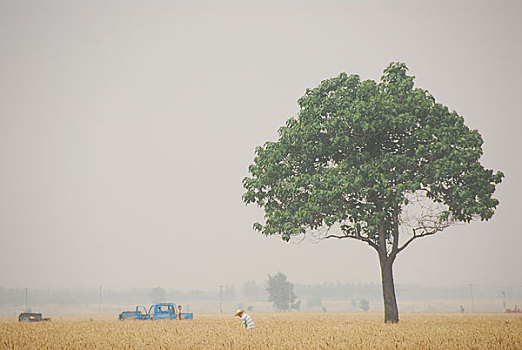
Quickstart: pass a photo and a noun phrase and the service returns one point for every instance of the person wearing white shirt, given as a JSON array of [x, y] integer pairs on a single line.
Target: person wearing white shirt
[[246, 321]]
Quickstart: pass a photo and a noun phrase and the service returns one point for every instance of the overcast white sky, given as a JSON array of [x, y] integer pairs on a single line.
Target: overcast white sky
[[127, 126]]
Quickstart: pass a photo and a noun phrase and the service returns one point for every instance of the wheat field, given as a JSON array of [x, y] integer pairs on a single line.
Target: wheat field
[[273, 331]]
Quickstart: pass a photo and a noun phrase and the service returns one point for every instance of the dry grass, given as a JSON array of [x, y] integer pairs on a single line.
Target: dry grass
[[274, 331]]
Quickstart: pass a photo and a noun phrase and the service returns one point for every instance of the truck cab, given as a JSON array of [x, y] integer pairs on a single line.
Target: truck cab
[[163, 311]]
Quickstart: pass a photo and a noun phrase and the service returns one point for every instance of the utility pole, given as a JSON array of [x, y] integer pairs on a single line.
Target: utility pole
[[289, 297], [472, 301], [26, 309], [99, 305], [220, 299]]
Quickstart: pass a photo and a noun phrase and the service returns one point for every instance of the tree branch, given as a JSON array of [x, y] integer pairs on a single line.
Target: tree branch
[[425, 220], [426, 233], [357, 237]]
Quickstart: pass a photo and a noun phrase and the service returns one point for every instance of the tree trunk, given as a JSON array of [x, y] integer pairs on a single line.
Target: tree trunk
[[391, 312]]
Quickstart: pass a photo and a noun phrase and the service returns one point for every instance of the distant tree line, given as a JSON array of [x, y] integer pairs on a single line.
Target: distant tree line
[[312, 294]]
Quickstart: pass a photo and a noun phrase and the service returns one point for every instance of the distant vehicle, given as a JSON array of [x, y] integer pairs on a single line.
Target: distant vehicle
[[139, 314], [31, 317], [159, 311], [515, 310]]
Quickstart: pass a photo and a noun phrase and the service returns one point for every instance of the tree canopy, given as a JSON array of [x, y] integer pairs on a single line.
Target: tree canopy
[[357, 152]]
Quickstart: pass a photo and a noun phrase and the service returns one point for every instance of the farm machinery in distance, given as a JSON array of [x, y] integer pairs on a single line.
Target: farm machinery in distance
[[515, 310], [159, 311], [32, 317]]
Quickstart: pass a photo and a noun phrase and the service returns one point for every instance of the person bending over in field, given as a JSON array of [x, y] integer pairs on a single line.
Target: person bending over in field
[[246, 321]]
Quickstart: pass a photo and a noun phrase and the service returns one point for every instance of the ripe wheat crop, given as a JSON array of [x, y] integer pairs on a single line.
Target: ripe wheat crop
[[273, 331]]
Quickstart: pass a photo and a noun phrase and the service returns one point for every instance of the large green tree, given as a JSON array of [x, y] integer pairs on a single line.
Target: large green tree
[[379, 162]]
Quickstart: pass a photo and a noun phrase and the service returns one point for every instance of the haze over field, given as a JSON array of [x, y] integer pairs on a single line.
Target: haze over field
[[126, 128]]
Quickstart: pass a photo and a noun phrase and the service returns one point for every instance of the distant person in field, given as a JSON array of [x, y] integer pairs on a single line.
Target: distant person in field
[[179, 312], [246, 321]]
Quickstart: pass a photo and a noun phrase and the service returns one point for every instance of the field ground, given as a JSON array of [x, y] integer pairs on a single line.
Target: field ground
[[274, 331]]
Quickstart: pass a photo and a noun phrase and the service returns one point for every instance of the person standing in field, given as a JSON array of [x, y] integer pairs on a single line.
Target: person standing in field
[[179, 312], [246, 321]]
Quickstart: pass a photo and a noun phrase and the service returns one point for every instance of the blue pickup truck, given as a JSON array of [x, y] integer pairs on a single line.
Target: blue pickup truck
[[159, 311]]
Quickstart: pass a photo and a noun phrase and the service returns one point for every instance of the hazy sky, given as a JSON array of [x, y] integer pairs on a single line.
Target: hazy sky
[[126, 128]]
